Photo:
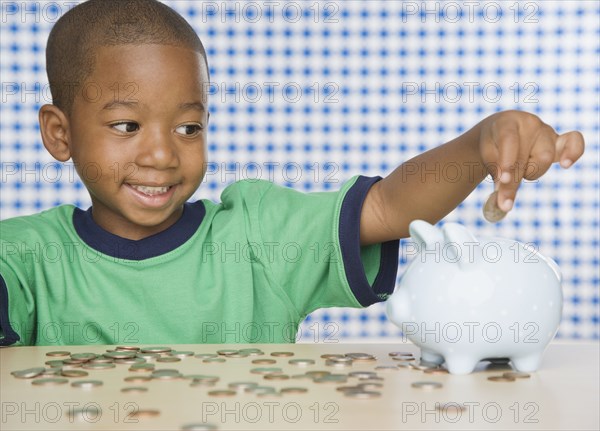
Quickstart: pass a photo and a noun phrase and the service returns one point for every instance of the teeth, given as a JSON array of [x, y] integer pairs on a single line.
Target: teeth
[[151, 191]]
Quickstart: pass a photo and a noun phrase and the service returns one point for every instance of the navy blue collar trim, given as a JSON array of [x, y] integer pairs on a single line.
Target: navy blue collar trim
[[155, 245]]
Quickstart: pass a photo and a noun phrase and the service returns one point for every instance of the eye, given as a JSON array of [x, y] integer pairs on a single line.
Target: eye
[[126, 127], [189, 129]]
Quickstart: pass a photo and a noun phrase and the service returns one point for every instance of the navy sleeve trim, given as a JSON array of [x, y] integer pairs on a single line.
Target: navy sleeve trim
[[349, 236], [10, 336]]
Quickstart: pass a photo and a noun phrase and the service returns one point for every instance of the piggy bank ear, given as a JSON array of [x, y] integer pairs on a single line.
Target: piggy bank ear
[[425, 234], [459, 241]]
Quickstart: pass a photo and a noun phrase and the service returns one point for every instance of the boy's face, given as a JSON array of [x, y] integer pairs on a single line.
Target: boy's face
[[137, 135]]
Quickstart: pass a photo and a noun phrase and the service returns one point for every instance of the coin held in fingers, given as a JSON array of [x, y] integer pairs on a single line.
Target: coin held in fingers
[[491, 211]]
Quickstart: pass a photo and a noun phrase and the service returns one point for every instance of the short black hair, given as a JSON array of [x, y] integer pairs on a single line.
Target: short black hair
[[76, 36]]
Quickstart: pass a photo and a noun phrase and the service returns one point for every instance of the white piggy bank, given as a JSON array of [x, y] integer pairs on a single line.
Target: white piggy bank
[[464, 299]]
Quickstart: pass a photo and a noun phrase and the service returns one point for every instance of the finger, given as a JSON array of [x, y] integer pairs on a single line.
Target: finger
[[569, 148], [542, 154], [506, 140], [507, 191]]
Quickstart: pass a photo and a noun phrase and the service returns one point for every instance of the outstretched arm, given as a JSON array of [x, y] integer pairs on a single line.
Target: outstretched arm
[[509, 146]]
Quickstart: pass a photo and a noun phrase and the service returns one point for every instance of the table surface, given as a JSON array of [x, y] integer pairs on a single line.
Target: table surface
[[562, 394]]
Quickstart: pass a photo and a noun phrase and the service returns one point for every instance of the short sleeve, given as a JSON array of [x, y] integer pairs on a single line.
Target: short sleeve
[[311, 244], [16, 308]]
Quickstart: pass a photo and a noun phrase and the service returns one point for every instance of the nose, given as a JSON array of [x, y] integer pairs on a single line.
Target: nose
[[157, 150]]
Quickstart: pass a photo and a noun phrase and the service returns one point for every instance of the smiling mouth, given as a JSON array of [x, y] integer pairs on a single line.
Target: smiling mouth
[[151, 191]]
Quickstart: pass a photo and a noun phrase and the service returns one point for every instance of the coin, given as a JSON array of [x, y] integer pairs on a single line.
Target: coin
[[264, 361], [202, 378], [435, 371], [317, 374], [168, 359], [362, 374], [347, 388], [370, 386], [144, 413], [213, 360], [265, 370], [180, 353], [142, 367], [148, 355], [227, 352], [394, 354], [101, 360], [58, 353], [50, 381], [28, 373], [301, 362], [386, 368], [86, 384], [205, 355], [98, 366], [165, 374], [331, 378], [120, 354], [54, 363], [52, 371], [137, 378], [491, 211], [128, 389], [426, 385], [252, 352], [361, 356], [517, 375], [130, 361], [501, 379], [198, 427], [293, 390], [74, 373], [134, 348], [282, 354], [160, 349], [276, 376], [451, 407], [332, 356], [222, 393], [361, 394], [89, 411], [242, 385]]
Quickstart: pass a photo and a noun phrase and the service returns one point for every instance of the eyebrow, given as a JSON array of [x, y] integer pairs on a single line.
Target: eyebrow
[[198, 106]]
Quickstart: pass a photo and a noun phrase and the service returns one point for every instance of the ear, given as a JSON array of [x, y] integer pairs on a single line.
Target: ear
[[54, 127]]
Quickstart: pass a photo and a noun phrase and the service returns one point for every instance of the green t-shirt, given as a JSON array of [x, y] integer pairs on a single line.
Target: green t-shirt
[[248, 269]]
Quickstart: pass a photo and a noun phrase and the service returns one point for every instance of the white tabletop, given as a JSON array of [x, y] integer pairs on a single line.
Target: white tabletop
[[563, 394]]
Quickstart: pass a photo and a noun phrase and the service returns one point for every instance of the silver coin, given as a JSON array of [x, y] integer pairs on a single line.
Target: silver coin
[[130, 361], [242, 385], [426, 385], [74, 373], [147, 355], [98, 366], [142, 367], [213, 360], [138, 379], [169, 359], [180, 353], [265, 370], [134, 348], [317, 374], [199, 427], [332, 356], [361, 356], [101, 360], [134, 389], [362, 374], [202, 378], [435, 371], [337, 363], [83, 356], [50, 381], [86, 384], [264, 361], [120, 354], [160, 349], [301, 362], [491, 210], [205, 355], [370, 386], [28, 373], [361, 394], [260, 389], [54, 363], [395, 354], [332, 378], [52, 371], [227, 352]]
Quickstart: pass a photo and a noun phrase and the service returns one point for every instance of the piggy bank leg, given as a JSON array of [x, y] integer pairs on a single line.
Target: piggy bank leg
[[460, 364], [429, 356], [527, 363]]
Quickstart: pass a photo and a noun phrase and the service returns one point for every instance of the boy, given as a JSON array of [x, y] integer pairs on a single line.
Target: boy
[[128, 81]]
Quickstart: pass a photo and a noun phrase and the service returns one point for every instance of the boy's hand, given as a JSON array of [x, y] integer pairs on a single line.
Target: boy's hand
[[517, 145]]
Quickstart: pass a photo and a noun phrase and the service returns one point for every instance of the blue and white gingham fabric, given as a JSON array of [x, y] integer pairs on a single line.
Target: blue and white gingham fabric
[[308, 93]]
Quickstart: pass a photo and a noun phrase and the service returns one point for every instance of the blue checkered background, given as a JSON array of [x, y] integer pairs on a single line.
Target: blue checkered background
[[308, 94]]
